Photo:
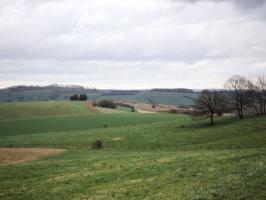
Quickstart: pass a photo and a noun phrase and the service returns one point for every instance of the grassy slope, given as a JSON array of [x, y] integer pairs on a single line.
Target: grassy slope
[[146, 156], [79, 123], [40, 109], [134, 132]]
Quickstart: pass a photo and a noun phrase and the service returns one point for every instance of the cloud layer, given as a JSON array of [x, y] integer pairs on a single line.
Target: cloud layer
[[131, 44]]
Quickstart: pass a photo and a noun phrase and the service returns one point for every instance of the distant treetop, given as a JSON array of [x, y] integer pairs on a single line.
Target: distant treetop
[[173, 90]]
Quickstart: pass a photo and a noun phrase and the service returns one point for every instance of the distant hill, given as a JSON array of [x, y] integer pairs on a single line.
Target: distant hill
[[179, 97]]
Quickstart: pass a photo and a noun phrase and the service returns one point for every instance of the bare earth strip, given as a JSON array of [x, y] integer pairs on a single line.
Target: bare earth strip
[[90, 107], [20, 155]]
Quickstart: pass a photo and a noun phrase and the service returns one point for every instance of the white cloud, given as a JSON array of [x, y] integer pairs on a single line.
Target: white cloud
[[118, 43]]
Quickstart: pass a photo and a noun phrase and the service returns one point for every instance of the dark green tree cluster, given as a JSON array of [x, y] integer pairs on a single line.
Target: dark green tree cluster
[[81, 97]]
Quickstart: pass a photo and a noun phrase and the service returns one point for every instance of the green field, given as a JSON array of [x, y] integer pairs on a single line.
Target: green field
[[145, 156], [41, 109]]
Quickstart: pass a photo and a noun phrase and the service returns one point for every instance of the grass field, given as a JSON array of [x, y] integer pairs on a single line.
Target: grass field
[[145, 156]]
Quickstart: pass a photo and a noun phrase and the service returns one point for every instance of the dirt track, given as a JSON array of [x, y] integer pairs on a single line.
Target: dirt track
[[90, 107], [20, 155]]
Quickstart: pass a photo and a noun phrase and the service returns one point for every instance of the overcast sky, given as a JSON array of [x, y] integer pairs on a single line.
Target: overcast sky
[[131, 43]]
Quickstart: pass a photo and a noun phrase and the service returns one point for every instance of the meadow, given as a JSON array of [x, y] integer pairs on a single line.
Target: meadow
[[145, 156]]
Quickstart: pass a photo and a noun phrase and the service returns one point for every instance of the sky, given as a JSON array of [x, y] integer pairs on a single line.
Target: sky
[[126, 44]]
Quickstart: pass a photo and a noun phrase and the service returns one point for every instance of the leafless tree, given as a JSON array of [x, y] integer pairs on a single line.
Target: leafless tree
[[211, 103], [254, 96], [257, 92], [238, 91], [262, 87]]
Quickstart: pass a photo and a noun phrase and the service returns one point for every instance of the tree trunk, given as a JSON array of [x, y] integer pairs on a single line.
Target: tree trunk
[[240, 115], [241, 111], [264, 107], [211, 116]]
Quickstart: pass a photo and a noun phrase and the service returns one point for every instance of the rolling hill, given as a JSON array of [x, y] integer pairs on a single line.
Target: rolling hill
[[179, 97]]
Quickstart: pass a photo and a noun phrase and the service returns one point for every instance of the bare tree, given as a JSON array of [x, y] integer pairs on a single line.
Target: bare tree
[[262, 90], [238, 87], [257, 91], [151, 102], [254, 97], [211, 103]]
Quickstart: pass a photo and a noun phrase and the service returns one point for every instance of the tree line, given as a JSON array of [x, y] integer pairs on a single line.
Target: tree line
[[241, 96]]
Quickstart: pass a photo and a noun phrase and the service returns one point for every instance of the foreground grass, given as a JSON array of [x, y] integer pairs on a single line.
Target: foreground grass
[[146, 156], [83, 174]]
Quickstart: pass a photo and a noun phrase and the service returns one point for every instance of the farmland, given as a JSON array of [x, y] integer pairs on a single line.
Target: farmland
[[145, 156]]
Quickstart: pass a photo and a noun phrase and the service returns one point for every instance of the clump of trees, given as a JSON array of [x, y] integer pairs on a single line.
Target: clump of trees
[[241, 96], [247, 96], [76, 97], [83, 97], [105, 104]]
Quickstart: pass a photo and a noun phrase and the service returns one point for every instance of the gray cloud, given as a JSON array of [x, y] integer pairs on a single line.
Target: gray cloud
[[141, 43], [244, 4]]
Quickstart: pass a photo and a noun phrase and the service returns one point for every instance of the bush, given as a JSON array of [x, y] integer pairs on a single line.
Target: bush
[[106, 104], [97, 144]]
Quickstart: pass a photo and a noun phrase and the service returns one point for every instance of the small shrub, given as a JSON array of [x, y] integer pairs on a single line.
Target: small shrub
[[97, 144], [182, 126]]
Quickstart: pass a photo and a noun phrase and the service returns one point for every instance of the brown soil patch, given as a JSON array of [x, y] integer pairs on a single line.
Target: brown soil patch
[[117, 139], [20, 155], [148, 108], [145, 111]]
